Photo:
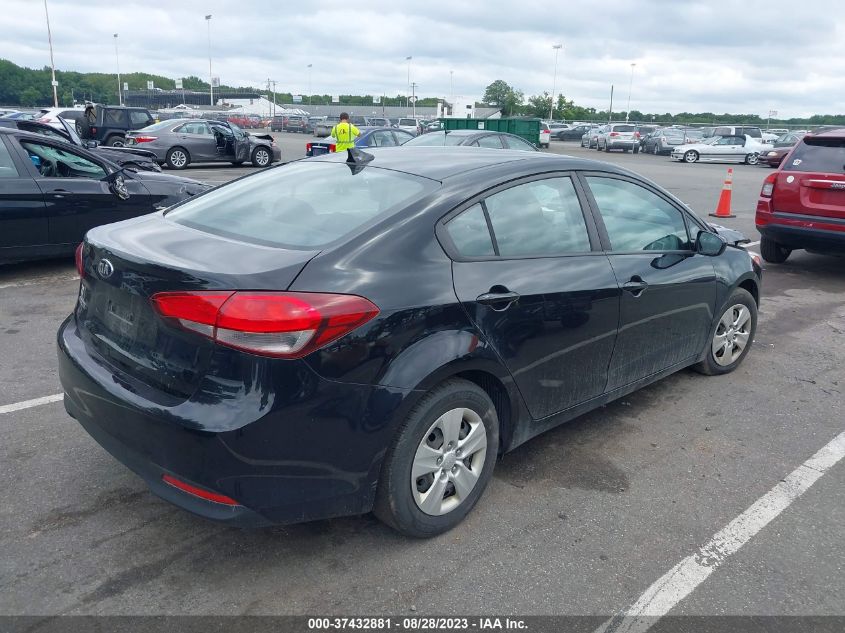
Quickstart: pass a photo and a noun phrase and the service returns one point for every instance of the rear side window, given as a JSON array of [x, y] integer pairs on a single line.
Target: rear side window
[[114, 117], [469, 233], [637, 219], [491, 141], [818, 154], [305, 206], [514, 142], [71, 115], [753, 132], [541, 218]]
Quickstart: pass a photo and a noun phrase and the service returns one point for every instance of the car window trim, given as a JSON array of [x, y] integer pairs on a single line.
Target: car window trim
[[14, 152], [442, 233], [602, 229]]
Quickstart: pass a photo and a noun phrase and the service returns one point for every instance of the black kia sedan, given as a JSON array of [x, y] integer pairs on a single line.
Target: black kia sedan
[[369, 331], [52, 192]]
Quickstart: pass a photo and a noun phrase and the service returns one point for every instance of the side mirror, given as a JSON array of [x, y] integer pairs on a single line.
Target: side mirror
[[91, 144], [117, 184], [710, 244]]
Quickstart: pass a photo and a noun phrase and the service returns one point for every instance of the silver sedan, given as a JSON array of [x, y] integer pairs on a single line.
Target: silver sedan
[[179, 142]]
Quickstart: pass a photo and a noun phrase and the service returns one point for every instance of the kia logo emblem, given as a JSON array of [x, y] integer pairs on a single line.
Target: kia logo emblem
[[105, 268]]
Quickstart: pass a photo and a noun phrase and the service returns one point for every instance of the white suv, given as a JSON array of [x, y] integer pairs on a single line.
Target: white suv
[[50, 116]]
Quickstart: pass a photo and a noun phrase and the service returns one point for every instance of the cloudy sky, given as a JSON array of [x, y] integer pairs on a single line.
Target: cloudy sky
[[690, 55]]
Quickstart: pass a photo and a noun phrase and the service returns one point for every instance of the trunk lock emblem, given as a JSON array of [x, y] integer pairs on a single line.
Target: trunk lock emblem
[[105, 268]]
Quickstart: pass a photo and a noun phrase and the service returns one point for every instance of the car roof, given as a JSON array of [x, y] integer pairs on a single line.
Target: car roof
[[441, 163], [829, 133]]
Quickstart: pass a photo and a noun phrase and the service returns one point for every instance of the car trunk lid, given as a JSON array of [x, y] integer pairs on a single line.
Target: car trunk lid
[[128, 262]]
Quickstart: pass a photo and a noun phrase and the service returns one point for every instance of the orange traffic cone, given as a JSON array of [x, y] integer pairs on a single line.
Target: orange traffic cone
[[723, 209]]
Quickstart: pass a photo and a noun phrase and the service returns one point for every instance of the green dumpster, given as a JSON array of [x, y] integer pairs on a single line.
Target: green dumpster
[[529, 129]]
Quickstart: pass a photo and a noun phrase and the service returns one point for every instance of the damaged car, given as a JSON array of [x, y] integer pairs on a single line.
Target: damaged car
[[178, 143]]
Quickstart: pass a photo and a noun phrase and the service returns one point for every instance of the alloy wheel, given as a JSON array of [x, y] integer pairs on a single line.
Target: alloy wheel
[[732, 334], [448, 461], [178, 158]]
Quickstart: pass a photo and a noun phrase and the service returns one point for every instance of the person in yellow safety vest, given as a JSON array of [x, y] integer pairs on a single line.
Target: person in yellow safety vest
[[345, 133]]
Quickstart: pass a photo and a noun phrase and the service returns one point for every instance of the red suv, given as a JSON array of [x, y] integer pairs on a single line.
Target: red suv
[[802, 204]]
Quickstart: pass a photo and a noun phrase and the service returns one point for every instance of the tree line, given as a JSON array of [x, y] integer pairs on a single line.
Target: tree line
[[29, 87]]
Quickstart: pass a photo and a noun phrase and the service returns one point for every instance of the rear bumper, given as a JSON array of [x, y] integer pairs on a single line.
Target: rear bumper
[[622, 144], [798, 231], [316, 455]]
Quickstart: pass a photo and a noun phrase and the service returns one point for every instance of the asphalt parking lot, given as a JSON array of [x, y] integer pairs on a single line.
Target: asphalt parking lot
[[579, 521]]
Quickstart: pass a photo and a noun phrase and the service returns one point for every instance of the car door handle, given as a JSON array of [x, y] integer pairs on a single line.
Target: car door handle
[[59, 193], [496, 298], [635, 285]]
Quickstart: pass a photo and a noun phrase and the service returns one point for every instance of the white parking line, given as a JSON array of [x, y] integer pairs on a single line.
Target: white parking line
[[750, 244], [35, 282], [684, 577], [26, 404]]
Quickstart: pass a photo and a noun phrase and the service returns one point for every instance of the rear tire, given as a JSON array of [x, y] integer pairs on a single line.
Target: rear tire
[[732, 336], [773, 252], [457, 412], [752, 159], [177, 158], [115, 140]]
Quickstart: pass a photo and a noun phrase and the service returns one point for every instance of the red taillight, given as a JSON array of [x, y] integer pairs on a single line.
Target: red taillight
[[278, 324], [614, 134], [769, 185], [637, 134], [43, 119], [308, 147], [144, 139], [93, 130], [80, 263], [198, 492], [332, 148]]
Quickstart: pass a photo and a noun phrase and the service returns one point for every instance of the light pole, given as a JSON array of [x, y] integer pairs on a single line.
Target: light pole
[[557, 48], [309, 84], [630, 85], [414, 98], [210, 78], [408, 59], [117, 59], [451, 90], [52, 65]]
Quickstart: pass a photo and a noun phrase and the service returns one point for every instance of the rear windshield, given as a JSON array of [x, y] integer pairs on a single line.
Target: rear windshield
[[407, 122], [437, 139], [305, 205], [156, 126], [624, 128], [818, 154]]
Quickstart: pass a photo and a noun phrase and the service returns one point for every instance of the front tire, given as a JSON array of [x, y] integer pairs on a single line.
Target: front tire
[[773, 252], [177, 158], [752, 159], [440, 462], [261, 157], [732, 336], [691, 156]]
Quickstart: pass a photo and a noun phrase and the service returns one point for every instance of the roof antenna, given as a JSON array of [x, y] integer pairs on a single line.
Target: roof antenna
[[357, 160]]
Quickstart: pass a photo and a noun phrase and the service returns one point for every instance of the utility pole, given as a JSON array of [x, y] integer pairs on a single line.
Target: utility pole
[[630, 85], [610, 109], [557, 48], [117, 59], [414, 98], [309, 84], [52, 65], [210, 78], [451, 90], [408, 59]]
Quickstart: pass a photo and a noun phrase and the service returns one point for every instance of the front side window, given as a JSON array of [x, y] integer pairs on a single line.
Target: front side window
[[636, 218], [139, 119], [542, 218], [53, 162]]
